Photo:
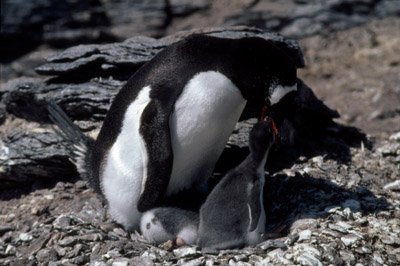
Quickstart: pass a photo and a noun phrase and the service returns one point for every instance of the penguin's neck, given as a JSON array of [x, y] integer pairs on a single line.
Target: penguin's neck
[[256, 161], [262, 162]]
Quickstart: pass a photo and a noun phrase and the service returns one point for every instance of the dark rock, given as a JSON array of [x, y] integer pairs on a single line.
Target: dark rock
[[134, 52], [68, 242], [273, 244], [47, 254], [26, 25], [5, 229], [28, 156]]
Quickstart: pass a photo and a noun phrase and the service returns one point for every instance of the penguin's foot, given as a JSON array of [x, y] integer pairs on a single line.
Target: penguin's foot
[[274, 232], [180, 242]]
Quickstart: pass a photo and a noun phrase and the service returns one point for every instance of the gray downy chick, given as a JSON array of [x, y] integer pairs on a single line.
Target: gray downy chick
[[169, 223], [233, 214]]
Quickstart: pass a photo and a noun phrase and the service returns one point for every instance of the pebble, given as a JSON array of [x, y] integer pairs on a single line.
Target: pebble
[[119, 232], [209, 262], [62, 222], [362, 221], [60, 251], [141, 261], [120, 262], [389, 149], [388, 239], [10, 217], [186, 252], [25, 237], [331, 256], [240, 257], [91, 238], [68, 242], [378, 258], [337, 228], [196, 262], [278, 257], [363, 250], [307, 249], [303, 224], [292, 239], [349, 240], [332, 209], [395, 136], [304, 235], [318, 160], [49, 197], [5, 229], [308, 260], [263, 262], [255, 258], [330, 233], [11, 250], [270, 244], [344, 225], [46, 254], [348, 214], [394, 186], [347, 257], [149, 255]]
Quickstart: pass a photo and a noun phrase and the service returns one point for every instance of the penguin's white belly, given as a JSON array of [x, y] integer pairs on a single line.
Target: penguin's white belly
[[125, 166], [204, 117], [254, 237]]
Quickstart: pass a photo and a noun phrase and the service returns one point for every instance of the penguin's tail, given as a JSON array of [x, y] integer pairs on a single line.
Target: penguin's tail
[[77, 144]]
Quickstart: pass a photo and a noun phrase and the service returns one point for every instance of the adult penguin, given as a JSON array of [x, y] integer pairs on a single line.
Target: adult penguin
[[169, 124]]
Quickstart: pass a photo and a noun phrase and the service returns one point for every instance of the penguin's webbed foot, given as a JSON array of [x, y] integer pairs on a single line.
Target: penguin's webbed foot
[[180, 242], [274, 232]]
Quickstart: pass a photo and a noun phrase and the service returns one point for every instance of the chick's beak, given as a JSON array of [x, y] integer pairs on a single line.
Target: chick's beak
[[264, 113]]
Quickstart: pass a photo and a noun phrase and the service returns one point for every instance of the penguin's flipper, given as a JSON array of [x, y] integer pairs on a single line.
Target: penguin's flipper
[[155, 132], [254, 205]]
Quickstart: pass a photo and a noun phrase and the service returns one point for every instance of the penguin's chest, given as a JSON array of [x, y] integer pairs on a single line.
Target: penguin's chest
[[203, 118]]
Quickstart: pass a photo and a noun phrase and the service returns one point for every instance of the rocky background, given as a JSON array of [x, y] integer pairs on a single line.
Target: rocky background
[[337, 194]]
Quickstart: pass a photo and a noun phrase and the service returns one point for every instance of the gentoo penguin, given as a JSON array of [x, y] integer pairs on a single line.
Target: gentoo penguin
[[233, 214], [168, 223], [169, 124]]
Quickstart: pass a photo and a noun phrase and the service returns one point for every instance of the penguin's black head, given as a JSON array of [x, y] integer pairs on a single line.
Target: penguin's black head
[[273, 79], [261, 138], [268, 71]]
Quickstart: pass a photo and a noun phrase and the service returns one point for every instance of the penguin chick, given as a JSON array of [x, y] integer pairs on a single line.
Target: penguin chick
[[233, 214], [168, 223]]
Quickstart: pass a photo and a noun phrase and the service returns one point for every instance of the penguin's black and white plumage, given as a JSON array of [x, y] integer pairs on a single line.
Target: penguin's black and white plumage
[[168, 223], [169, 124], [233, 214]]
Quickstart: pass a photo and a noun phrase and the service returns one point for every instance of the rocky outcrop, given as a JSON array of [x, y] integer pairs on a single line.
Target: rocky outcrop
[[27, 25]]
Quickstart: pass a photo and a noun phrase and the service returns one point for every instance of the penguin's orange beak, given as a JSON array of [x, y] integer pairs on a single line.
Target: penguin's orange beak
[[263, 115]]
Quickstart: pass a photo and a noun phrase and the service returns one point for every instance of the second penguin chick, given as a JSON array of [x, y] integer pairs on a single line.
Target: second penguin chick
[[168, 223], [233, 215]]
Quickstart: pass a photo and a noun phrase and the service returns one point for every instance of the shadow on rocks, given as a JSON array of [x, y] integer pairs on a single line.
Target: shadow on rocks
[[287, 199]]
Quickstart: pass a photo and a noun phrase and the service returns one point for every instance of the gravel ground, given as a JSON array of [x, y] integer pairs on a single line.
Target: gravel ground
[[336, 212]]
